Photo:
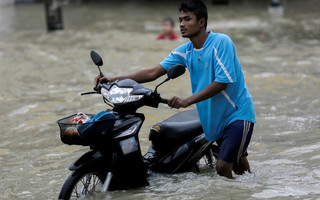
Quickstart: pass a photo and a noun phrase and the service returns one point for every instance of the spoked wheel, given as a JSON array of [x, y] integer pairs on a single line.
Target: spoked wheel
[[80, 185]]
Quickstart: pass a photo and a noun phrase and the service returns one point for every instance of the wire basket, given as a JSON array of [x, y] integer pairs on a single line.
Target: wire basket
[[69, 131], [83, 133]]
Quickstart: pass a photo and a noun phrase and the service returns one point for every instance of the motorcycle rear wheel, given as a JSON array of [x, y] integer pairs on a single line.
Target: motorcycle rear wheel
[[82, 184], [211, 155]]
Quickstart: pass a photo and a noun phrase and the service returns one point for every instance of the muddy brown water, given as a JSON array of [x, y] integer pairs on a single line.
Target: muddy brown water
[[41, 76]]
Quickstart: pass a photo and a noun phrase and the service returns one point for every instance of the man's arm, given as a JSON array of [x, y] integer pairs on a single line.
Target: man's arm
[[208, 92], [142, 76]]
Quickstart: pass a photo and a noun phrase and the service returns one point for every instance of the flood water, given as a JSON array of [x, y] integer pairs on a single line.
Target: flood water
[[41, 76]]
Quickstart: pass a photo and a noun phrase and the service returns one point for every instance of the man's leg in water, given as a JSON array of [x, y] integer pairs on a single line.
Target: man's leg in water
[[225, 168], [233, 148], [242, 166]]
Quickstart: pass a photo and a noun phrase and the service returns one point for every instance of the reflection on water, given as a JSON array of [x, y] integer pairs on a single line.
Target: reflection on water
[[42, 75]]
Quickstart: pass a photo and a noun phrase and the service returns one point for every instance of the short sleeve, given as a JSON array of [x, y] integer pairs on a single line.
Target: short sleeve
[[177, 57], [224, 61]]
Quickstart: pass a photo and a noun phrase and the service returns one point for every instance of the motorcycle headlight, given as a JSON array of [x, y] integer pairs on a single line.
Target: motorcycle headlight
[[118, 95]]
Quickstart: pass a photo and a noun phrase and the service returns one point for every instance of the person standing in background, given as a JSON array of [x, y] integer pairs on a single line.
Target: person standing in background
[[168, 30]]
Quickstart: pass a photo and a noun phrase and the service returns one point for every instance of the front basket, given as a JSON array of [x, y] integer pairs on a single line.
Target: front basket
[[85, 133]]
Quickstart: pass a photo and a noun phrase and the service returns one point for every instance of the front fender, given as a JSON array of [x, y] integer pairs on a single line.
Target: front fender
[[91, 157]]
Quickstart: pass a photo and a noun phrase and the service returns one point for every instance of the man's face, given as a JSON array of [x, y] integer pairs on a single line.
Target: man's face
[[167, 28], [189, 25]]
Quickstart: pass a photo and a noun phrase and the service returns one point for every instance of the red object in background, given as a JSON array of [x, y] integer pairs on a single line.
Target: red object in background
[[173, 36]]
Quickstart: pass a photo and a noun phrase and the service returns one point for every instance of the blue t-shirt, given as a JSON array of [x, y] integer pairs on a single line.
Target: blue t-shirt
[[215, 61]]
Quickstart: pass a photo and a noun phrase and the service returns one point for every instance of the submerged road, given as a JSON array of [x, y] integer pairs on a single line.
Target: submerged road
[[41, 76]]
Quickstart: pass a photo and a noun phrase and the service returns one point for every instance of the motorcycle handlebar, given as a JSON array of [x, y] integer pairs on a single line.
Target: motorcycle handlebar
[[86, 93], [165, 101]]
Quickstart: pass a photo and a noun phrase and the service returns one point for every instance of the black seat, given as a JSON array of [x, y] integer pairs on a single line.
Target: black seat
[[175, 130]]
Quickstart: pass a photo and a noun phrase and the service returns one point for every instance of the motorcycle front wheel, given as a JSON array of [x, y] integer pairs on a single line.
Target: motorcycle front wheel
[[82, 184]]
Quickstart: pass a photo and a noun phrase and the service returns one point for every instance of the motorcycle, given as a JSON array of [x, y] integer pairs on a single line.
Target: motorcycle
[[114, 160]]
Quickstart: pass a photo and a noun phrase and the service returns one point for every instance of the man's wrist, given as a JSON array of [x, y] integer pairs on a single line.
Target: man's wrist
[[188, 101]]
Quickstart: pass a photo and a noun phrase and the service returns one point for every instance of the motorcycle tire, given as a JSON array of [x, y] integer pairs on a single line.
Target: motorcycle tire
[[82, 184]]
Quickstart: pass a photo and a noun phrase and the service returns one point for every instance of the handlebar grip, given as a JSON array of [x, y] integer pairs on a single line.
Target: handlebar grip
[[96, 89], [165, 101]]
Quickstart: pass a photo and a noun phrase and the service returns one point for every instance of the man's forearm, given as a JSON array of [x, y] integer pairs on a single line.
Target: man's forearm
[[145, 75], [140, 76], [208, 92]]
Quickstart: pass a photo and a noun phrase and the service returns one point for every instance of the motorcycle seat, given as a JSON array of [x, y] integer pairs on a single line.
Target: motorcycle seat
[[175, 130]]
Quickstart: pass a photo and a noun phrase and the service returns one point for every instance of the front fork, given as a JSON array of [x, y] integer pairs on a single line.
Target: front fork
[[110, 173]]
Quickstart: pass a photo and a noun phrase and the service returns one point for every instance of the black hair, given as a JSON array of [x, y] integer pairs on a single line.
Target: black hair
[[197, 7], [169, 20]]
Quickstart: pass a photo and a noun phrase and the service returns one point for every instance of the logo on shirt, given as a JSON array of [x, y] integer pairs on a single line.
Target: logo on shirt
[[206, 65]]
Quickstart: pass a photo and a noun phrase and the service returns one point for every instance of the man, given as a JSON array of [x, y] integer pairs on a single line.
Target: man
[[224, 104], [168, 30]]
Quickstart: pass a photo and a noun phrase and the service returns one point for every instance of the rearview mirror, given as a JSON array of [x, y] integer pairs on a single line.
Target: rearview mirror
[[173, 73], [176, 71], [96, 58]]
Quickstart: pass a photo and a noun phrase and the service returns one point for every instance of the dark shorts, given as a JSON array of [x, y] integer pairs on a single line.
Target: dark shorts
[[235, 140]]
